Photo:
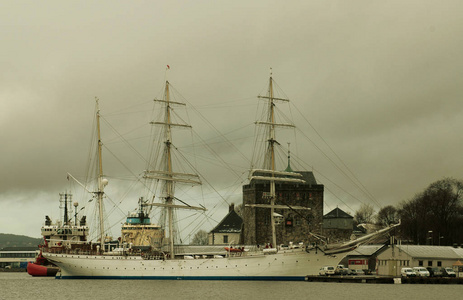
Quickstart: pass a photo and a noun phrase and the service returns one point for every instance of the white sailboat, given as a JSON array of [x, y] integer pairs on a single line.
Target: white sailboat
[[206, 263]]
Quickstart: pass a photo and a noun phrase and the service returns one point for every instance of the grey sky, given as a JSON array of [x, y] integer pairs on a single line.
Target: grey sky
[[381, 81]]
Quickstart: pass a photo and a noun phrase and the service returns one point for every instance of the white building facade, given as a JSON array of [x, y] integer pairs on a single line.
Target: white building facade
[[395, 257]]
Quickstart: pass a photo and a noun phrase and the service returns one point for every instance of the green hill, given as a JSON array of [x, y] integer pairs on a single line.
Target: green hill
[[12, 240]]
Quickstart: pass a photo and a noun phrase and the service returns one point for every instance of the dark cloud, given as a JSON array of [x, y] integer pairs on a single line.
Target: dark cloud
[[380, 81]]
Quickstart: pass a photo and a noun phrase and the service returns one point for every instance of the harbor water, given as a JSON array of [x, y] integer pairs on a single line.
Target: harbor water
[[23, 286]]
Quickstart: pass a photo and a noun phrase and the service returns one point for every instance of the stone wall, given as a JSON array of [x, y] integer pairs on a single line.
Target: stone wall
[[296, 224]]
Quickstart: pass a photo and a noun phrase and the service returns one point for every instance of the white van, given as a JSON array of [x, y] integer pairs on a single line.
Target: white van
[[327, 271], [448, 272], [407, 272], [421, 271]]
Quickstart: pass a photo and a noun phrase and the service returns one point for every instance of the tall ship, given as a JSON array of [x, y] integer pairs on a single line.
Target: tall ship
[[165, 259]]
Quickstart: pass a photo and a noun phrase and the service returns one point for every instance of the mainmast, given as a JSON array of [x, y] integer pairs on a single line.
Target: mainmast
[[167, 173], [169, 182], [269, 172], [101, 181]]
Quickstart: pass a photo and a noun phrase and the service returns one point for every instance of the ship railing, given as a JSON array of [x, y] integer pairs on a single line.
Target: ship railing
[[152, 257]]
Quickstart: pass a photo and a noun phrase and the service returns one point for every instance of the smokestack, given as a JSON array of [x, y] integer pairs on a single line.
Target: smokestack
[[232, 207]]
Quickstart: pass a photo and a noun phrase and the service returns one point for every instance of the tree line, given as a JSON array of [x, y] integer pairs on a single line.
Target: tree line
[[432, 217]]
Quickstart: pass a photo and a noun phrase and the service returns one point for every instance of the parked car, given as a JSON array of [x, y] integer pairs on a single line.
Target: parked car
[[421, 271], [341, 270], [327, 271], [357, 272], [407, 272], [435, 272], [448, 272]]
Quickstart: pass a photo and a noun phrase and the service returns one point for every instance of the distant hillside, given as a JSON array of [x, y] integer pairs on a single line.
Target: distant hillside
[[12, 240]]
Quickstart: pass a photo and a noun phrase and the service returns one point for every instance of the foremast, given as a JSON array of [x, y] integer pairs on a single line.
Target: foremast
[[101, 181], [269, 171], [167, 173]]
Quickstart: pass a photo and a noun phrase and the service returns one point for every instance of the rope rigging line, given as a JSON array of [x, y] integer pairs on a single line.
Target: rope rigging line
[[337, 167], [301, 162], [357, 182], [124, 140], [177, 156], [124, 111]]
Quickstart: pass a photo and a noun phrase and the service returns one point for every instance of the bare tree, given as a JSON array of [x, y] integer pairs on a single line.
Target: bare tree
[[434, 216], [387, 215], [364, 214], [200, 238]]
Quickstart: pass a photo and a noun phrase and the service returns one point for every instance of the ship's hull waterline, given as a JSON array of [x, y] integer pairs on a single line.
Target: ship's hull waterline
[[291, 265]]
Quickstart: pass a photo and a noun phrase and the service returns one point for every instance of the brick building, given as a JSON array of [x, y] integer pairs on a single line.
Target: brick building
[[291, 225]]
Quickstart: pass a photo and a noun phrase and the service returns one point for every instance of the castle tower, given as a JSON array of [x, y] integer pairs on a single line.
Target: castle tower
[[291, 225]]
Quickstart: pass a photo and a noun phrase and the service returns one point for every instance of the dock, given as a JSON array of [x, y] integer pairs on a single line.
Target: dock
[[350, 279], [384, 279]]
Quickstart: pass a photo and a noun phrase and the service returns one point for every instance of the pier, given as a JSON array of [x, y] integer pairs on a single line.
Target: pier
[[385, 279]]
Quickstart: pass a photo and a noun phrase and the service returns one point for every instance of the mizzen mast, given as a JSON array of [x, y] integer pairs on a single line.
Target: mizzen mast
[[269, 172]]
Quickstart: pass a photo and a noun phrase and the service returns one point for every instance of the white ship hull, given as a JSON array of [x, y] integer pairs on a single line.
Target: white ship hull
[[292, 264]]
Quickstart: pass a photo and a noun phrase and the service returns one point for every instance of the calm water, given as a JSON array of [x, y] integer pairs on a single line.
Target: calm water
[[23, 286]]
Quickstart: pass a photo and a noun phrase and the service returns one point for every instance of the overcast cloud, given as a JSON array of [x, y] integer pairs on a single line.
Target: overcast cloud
[[381, 82]]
